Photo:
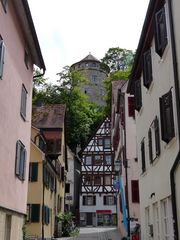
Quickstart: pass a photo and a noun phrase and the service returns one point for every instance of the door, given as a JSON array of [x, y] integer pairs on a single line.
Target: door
[[89, 221]]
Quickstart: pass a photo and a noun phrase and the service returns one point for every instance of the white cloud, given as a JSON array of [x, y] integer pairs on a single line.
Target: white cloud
[[69, 29]]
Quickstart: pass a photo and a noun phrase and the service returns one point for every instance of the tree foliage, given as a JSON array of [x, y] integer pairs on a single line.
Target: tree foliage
[[120, 63], [118, 59], [81, 115]]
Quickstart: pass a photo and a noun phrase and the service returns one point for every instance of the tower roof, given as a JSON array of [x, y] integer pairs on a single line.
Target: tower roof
[[89, 57]]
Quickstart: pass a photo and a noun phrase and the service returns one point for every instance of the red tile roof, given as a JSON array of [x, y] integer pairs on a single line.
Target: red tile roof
[[49, 116]]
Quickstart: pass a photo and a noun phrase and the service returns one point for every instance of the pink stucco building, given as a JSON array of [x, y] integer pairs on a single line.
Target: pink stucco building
[[19, 50]]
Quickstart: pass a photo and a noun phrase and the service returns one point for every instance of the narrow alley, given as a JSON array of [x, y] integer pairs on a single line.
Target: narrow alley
[[97, 233]]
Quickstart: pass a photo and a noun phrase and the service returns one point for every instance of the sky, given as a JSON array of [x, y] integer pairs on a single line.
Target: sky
[[68, 30]]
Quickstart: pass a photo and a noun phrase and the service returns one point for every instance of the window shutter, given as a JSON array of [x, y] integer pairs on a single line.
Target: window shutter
[[147, 68], [104, 200], [2, 51], [35, 212], [157, 137], [135, 191], [34, 171], [143, 156], [84, 200], [138, 95], [167, 119], [18, 157], [131, 106], [23, 173], [160, 32], [23, 101], [150, 146], [94, 200]]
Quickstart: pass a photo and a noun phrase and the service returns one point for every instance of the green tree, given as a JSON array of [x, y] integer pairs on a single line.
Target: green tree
[[118, 59], [120, 63], [81, 115]]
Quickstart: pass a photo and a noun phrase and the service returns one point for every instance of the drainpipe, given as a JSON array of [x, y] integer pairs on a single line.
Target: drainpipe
[[177, 95], [126, 171], [40, 75]]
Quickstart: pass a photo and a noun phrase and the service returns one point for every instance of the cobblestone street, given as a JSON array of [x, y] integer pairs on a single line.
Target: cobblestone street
[[102, 233]]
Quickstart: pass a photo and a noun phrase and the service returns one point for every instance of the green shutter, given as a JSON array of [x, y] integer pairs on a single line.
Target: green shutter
[[35, 212], [18, 157], [34, 172]]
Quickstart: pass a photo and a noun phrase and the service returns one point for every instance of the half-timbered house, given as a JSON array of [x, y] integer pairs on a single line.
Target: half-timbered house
[[97, 200]]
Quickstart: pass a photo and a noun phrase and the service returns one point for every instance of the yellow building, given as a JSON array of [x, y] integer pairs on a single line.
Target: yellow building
[[46, 172]]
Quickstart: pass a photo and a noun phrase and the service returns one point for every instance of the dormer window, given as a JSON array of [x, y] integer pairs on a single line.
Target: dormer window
[[147, 69], [160, 32]]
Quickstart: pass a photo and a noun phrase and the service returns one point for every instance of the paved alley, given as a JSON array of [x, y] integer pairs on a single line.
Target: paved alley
[[95, 233]]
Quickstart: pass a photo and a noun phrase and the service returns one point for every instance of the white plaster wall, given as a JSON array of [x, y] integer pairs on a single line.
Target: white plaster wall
[[156, 179], [176, 20], [99, 205]]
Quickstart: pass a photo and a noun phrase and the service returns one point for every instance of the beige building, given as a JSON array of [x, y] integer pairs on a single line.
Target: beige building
[[19, 50], [154, 81], [46, 172]]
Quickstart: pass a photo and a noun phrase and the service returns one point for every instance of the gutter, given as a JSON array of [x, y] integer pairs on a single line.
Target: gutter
[[177, 94], [39, 75]]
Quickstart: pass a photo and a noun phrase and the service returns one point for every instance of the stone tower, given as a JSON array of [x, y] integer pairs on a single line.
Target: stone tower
[[95, 71]]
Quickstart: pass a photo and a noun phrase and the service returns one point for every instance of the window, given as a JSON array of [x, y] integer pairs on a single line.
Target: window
[[2, 50], [62, 173], [88, 160], [154, 140], [109, 200], [138, 95], [89, 200], [33, 172], [160, 32], [143, 162], [94, 78], [131, 106], [4, 4], [167, 219], [108, 159], [33, 213], [147, 69], [20, 165], [97, 160], [97, 180], [46, 177], [67, 188], [135, 191], [87, 179], [23, 102], [100, 141], [156, 221], [53, 146], [107, 143], [46, 214], [107, 180], [167, 119], [7, 232]]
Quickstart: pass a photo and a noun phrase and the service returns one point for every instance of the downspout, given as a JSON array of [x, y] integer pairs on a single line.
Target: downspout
[[40, 75], [126, 171], [177, 94]]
